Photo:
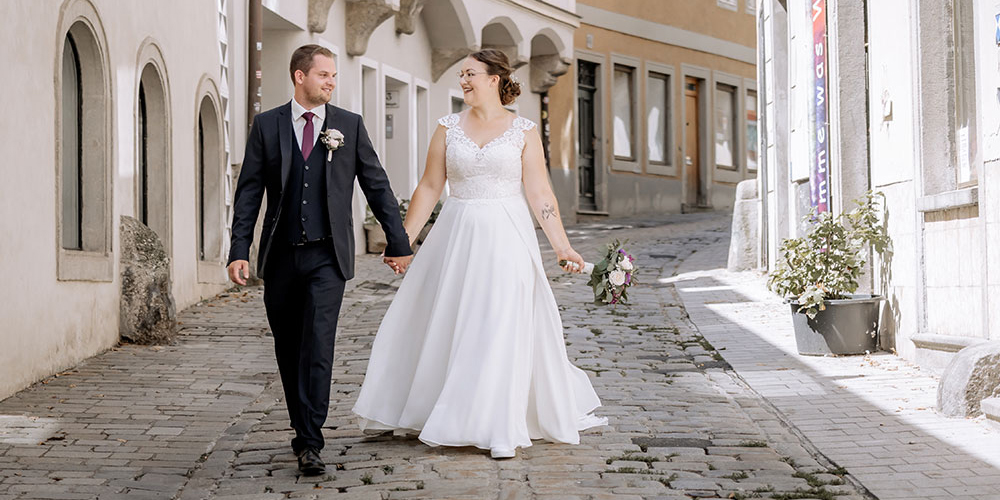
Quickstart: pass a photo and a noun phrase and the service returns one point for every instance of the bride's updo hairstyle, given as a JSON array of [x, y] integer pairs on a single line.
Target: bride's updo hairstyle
[[497, 64]]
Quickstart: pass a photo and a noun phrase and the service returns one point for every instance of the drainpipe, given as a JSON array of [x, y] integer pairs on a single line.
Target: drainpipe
[[762, 141], [255, 38]]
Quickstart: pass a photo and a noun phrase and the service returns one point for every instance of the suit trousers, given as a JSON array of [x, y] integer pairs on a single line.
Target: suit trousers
[[303, 292]]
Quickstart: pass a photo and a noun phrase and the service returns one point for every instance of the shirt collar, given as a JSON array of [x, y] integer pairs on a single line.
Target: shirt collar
[[297, 110]]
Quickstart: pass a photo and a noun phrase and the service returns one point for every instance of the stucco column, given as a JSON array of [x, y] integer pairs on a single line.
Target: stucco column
[[773, 89], [848, 101], [849, 159]]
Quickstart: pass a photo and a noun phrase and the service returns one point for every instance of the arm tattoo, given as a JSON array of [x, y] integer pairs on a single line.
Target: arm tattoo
[[548, 211]]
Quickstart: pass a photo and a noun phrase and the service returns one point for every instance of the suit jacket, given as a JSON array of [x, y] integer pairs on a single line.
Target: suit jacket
[[266, 165]]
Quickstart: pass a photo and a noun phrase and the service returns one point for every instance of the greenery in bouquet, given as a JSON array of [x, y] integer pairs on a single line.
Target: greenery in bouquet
[[613, 275], [828, 261]]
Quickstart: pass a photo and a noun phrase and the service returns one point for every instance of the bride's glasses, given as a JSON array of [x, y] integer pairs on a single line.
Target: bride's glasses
[[467, 75]]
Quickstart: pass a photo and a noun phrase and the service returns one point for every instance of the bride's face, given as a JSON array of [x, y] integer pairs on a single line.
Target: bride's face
[[478, 86]]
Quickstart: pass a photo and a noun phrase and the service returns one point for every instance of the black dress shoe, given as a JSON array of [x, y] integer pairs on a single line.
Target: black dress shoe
[[310, 463]]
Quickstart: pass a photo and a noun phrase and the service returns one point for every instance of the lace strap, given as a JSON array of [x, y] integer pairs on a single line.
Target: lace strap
[[523, 124], [449, 121]]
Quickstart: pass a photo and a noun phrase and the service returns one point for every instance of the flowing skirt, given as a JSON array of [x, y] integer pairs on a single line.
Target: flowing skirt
[[471, 350]]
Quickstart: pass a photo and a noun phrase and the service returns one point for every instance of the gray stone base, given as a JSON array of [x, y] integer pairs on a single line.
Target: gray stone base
[[934, 352], [972, 376]]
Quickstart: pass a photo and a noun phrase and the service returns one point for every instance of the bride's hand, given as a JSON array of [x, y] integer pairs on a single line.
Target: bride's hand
[[570, 255]]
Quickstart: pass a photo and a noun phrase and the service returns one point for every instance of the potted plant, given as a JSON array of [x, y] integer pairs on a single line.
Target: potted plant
[[818, 273]]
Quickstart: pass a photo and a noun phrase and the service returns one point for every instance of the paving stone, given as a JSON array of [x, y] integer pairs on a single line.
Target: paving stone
[[205, 417]]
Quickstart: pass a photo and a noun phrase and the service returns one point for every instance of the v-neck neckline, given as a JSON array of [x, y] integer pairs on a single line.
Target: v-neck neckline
[[487, 144]]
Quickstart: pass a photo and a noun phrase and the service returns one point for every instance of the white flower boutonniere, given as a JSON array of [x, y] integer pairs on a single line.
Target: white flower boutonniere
[[333, 139]]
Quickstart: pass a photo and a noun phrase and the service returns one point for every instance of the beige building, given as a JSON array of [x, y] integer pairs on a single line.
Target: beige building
[[658, 113], [140, 109]]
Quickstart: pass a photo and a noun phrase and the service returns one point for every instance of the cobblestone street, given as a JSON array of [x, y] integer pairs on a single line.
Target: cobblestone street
[[204, 418]]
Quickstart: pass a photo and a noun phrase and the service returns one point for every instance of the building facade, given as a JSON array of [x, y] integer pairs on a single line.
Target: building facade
[[140, 109], [899, 97], [658, 112]]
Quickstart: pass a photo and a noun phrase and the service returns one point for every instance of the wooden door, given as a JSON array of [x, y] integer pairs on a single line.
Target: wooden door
[[692, 177]]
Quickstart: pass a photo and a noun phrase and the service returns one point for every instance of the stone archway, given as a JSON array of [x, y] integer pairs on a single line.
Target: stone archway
[[451, 34], [501, 33], [547, 61]]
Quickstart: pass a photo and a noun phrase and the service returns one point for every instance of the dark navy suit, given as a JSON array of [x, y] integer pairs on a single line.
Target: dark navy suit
[[304, 283]]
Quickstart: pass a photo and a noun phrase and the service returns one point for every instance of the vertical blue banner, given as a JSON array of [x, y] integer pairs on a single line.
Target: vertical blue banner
[[819, 174]]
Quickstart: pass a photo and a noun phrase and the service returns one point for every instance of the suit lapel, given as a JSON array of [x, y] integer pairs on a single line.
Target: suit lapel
[[286, 141], [328, 124]]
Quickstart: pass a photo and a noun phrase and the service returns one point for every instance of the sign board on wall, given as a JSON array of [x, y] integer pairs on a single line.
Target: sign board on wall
[[392, 98], [819, 174]]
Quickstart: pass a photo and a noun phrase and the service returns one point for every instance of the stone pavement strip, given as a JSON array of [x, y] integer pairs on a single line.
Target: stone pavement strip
[[873, 415], [203, 418]]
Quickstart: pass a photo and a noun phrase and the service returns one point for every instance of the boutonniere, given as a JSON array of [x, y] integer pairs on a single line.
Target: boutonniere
[[333, 139]]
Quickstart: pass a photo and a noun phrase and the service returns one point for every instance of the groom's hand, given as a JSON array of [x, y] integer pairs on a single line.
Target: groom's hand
[[239, 271], [398, 264]]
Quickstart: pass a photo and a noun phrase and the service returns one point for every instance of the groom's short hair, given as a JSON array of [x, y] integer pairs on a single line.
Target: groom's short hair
[[302, 58]]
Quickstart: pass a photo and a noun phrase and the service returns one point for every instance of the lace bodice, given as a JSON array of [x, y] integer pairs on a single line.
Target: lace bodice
[[493, 171]]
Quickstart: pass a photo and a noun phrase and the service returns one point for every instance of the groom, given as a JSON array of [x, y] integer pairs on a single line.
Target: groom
[[305, 155]]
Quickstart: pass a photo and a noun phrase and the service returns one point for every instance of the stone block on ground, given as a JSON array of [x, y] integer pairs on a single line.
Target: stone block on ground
[[972, 376], [148, 314], [743, 245]]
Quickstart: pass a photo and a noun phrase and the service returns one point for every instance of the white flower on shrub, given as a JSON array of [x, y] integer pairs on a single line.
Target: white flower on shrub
[[616, 277], [626, 265]]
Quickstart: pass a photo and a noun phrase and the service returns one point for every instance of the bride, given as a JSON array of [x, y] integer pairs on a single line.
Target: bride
[[471, 350]]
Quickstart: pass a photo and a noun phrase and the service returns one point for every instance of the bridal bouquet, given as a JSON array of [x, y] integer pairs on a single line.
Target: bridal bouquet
[[613, 275]]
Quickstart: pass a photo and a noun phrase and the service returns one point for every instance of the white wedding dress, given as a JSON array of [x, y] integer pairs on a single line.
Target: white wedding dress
[[471, 350]]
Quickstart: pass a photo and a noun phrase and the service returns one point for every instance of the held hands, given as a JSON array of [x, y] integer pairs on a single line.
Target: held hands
[[239, 271], [397, 264], [570, 257]]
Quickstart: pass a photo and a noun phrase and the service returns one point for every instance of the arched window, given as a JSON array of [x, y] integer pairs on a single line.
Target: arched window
[[83, 151], [152, 187], [72, 189], [210, 171]]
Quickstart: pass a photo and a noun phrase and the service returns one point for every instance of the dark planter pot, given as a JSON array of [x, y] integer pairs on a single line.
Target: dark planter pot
[[848, 326]]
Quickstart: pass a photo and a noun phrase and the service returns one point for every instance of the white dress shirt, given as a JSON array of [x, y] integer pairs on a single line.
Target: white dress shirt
[[299, 122]]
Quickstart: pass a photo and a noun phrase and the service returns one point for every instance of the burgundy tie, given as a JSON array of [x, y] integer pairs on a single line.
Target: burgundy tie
[[307, 135]]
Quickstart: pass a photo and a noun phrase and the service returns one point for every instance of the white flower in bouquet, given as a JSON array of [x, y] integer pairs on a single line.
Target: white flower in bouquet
[[626, 264], [616, 277]]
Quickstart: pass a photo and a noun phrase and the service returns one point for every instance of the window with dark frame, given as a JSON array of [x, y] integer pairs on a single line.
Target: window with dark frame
[[143, 173], [72, 152], [201, 188], [725, 127], [751, 131], [966, 135], [658, 118], [623, 104]]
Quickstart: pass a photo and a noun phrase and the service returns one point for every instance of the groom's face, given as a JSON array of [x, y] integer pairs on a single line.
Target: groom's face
[[319, 82]]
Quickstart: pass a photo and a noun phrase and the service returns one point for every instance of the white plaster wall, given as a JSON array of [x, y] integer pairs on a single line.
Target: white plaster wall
[[893, 163], [402, 57], [988, 78], [50, 325], [892, 105]]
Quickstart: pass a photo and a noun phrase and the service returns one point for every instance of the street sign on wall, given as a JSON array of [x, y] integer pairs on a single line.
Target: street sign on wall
[[819, 174]]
